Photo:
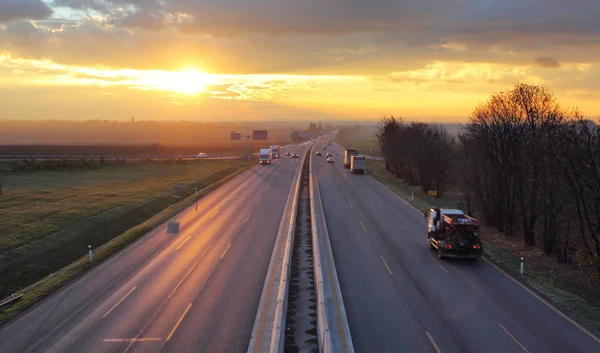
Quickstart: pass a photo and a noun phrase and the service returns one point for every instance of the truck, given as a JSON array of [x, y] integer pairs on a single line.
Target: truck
[[275, 151], [453, 234], [347, 154], [265, 156], [358, 164]]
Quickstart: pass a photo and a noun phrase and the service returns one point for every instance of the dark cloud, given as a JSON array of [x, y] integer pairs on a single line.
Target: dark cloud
[[547, 61], [316, 36], [12, 10]]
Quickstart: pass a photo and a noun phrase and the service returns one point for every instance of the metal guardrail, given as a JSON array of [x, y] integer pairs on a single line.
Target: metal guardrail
[[268, 332], [8, 303], [332, 323]]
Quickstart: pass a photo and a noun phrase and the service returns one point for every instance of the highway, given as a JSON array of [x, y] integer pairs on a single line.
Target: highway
[[194, 291], [400, 297]]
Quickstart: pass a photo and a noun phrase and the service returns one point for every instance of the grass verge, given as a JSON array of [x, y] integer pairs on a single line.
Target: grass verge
[[546, 277], [46, 286]]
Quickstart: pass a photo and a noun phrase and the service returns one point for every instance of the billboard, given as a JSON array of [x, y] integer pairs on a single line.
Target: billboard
[[236, 135], [259, 135]]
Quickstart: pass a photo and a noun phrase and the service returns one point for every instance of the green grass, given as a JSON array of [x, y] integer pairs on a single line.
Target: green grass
[[49, 218], [573, 305]]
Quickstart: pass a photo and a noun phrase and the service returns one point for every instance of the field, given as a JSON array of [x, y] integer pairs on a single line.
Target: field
[[227, 148], [49, 218], [574, 289]]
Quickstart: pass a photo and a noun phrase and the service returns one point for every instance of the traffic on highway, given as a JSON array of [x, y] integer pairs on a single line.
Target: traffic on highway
[[379, 276]]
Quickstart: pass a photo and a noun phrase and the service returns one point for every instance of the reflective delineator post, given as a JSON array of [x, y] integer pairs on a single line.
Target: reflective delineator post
[[522, 265], [412, 196], [90, 250]]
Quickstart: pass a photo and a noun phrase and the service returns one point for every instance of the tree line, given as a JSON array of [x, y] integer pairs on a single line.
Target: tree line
[[524, 165]]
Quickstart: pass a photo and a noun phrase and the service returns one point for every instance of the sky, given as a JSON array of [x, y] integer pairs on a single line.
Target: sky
[[290, 59]]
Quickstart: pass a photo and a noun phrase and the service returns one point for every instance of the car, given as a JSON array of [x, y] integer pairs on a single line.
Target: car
[[295, 155], [328, 155], [202, 155], [330, 159], [319, 153], [324, 147], [288, 153]]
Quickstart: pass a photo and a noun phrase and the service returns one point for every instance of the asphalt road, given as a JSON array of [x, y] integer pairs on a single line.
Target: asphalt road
[[400, 297], [197, 291]]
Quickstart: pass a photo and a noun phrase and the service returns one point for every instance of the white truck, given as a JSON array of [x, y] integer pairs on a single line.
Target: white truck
[[358, 164], [265, 156], [275, 151]]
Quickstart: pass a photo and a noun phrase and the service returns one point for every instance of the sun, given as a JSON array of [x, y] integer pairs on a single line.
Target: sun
[[188, 81]]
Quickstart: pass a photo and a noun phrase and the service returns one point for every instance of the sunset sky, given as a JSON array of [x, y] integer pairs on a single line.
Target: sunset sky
[[285, 59]]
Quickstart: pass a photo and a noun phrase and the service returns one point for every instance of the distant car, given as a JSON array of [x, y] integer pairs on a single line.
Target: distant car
[[330, 159], [295, 155], [202, 155], [288, 153], [319, 153], [328, 155], [324, 147]]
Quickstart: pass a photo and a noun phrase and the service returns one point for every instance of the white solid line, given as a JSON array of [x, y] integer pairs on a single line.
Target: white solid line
[[439, 264], [398, 223], [214, 214], [363, 227], [260, 198], [350, 204], [380, 205], [226, 250], [132, 339], [437, 349], [386, 266], [247, 218], [514, 339], [119, 302], [178, 322], [186, 239]]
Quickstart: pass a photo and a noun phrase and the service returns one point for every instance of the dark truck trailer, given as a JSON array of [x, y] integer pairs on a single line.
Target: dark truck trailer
[[453, 234]]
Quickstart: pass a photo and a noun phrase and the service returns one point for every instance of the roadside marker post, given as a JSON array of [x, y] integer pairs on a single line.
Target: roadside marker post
[[90, 250], [522, 264], [412, 196]]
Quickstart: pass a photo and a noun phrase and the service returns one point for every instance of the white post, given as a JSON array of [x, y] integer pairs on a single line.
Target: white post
[[412, 196], [196, 191], [522, 264], [90, 250]]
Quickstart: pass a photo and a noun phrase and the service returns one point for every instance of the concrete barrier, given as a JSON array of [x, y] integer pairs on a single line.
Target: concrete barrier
[[332, 323], [268, 332]]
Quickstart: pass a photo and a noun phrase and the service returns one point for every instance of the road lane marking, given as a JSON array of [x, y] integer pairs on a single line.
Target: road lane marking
[[260, 198], [545, 302], [225, 252], [564, 316], [513, 338], [247, 218], [401, 226], [386, 266], [342, 191], [186, 239], [337, 182], [437, 349], [363, 227], [380, 205], [146, 339], [178, 322], [119, 302], [214, 214], [349, 203], [439, 264]]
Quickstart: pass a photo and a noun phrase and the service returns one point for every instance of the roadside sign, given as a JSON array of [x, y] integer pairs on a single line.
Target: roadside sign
[[259, 134], [432, 193], [236, 135]]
